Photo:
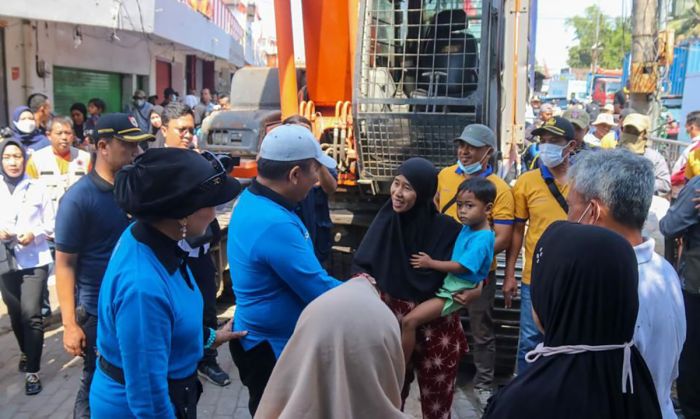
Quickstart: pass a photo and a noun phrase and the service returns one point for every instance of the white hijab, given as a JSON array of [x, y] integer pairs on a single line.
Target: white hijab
[[344, 360]]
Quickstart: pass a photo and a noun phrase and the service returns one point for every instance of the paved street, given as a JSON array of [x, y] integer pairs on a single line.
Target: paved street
[[60, 376]]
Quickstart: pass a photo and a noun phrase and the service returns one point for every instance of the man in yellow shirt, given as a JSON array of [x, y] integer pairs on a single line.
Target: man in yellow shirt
[[475, 147], [540, 200], [61, 165]]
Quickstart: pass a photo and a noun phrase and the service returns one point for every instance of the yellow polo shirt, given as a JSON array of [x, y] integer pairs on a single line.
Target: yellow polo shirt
[[608, 142], [62, 162], [503, 208], [535, 204], [692, 167]]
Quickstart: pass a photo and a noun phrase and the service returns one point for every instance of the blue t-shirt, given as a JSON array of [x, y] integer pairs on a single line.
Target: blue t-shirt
[[274, 269], [88, 223], [474, 251], [149, 325]]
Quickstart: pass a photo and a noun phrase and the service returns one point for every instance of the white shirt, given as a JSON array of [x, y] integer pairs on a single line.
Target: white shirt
[[28, 209], [683, 158], [591, 140], [659, 333]]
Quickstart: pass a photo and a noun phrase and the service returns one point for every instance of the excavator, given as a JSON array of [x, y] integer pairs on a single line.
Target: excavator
[[385, 80]]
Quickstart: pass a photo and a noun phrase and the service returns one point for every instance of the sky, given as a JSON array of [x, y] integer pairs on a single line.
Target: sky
[[553, 39]]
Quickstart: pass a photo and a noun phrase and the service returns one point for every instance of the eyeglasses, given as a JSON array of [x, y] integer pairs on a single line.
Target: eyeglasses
[[216, 180]]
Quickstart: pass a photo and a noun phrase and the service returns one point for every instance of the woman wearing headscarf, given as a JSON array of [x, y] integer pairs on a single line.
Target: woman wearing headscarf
[[25, 131], [156, 122], [78, 114], [586, 305], [26, 221], [341, 362], [150, 335], [407, 224]]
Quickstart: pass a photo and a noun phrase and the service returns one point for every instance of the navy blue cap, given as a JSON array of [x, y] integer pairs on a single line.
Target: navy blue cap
[[121, 126]]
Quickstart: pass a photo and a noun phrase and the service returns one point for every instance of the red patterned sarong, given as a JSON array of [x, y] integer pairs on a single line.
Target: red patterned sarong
[[440, 345]]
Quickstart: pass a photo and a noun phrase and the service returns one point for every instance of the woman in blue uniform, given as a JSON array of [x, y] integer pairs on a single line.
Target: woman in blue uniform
[[150, 335]]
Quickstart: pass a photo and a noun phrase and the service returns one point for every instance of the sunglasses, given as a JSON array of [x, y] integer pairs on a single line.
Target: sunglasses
[[217, 179]]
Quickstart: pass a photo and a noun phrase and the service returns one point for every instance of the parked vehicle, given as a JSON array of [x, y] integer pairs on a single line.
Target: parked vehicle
[[389, 80]]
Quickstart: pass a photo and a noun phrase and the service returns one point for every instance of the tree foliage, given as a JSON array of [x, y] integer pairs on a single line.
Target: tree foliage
[[687, 23], [612, 42]]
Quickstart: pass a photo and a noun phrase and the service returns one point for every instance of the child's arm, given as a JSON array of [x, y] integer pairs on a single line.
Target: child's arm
[[422, 260]]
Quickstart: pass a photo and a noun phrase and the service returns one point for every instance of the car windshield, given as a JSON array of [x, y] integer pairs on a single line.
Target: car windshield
[[612, 86]]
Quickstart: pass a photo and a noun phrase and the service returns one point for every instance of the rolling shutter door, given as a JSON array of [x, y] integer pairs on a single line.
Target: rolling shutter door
[[72, 85]]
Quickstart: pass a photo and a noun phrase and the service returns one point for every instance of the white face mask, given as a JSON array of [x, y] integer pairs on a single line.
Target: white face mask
[[26, 126], [140, 102]]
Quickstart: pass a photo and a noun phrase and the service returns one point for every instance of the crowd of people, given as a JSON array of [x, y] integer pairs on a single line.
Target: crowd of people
[[59, 215], [607, 325]]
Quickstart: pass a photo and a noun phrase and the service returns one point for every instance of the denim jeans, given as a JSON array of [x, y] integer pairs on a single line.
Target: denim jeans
[[530, 336]]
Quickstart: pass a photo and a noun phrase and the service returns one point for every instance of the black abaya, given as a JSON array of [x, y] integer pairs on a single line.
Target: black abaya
[[392, 239], [585, 293]]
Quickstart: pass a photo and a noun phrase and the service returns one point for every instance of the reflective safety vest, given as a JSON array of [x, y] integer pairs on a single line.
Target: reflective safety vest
[[50, 173]]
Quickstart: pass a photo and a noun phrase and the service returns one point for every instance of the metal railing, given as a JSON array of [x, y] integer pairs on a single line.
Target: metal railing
[[422, 77], [422, 58], [670, 149]]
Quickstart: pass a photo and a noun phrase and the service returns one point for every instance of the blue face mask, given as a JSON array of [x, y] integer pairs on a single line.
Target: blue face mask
[[471, 169], [552, 155]]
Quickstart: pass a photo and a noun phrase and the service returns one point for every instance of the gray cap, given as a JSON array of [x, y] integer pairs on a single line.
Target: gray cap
[[478, 135], [293, 143]]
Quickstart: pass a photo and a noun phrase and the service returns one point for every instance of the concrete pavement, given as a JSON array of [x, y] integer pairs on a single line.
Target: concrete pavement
[[60, 375]]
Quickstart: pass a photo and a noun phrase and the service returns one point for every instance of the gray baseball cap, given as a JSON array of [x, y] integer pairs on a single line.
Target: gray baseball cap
[[478, 135], [292, 143]]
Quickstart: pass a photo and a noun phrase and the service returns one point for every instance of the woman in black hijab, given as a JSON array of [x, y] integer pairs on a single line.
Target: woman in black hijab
[[78, 114], [156, 122], [586, 304], [407, 224]]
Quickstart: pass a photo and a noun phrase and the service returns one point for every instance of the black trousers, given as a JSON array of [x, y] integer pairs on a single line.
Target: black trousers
[[88, 323], [22, 292], [204, 272], [688, 382], [255, 367]]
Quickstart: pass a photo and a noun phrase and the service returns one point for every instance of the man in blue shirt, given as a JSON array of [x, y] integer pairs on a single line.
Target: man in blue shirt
[[88, 225], [271, 256], [313, 210]]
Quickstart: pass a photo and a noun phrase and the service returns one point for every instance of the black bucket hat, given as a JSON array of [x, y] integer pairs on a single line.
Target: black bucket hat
[[173, 183]]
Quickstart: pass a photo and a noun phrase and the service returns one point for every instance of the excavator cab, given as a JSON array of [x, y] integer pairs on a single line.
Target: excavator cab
[[448, 62], [422, 75]]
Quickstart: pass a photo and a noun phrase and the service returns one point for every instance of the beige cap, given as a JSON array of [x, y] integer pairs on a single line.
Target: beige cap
[[604, 119], [608, 108], [637, 120]]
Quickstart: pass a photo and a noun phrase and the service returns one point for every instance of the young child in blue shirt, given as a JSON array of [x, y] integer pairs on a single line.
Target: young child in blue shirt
[[471, 259]]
